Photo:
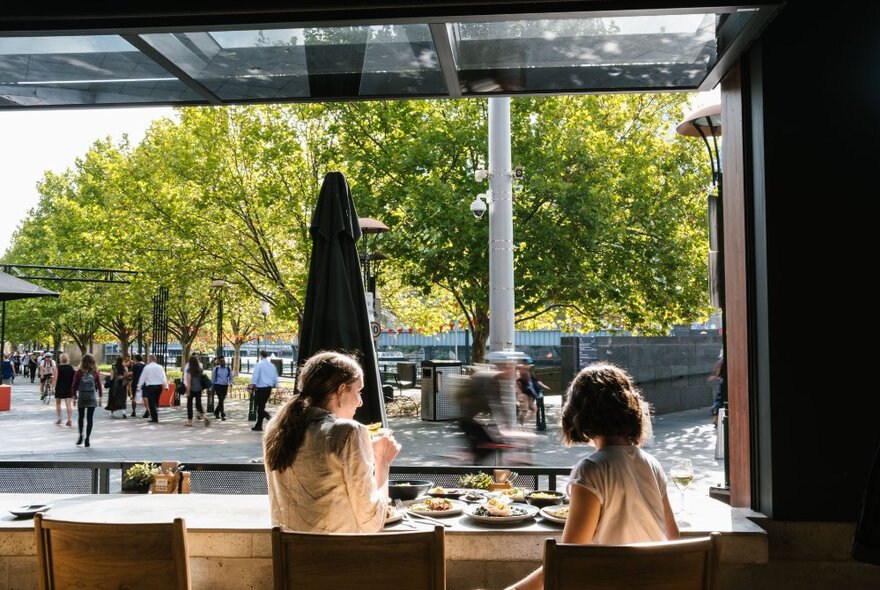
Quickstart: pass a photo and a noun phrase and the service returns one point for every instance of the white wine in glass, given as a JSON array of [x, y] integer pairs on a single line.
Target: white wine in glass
[[682, 474]]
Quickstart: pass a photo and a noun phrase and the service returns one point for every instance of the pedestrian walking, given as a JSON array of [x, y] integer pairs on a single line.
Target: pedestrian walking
[[194, 387], [89, 393], [221, 377], [62, 385], [151, 384], [263, 379]]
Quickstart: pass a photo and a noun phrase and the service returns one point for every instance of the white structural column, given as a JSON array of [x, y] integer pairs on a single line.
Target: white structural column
[[501, 333]]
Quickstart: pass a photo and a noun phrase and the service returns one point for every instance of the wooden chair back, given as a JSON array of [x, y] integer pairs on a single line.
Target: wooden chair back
[[383, 561], [98, 555], [690, 564]]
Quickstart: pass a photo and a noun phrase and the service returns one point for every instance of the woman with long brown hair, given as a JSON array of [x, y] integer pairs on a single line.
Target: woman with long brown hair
[[87, 386], [193, 382], [324, 471]]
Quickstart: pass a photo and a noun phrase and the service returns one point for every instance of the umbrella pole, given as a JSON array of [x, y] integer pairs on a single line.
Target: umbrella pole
[[3, 331]]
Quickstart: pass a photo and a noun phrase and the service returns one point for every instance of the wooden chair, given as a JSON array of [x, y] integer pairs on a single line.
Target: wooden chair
[[98, 555], [330, 561], [674, 565]]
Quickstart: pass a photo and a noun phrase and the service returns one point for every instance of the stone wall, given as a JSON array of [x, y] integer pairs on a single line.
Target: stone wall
[[671, 371]]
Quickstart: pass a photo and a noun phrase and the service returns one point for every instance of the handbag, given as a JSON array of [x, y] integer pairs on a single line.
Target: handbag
[[206, 382]]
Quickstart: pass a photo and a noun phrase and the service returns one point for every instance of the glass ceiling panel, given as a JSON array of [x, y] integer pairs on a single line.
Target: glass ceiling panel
[[308, 63], [577, 55], [352, 60], [82, 70]]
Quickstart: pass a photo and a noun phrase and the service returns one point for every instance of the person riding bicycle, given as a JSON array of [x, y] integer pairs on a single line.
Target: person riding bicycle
[[47, 370]]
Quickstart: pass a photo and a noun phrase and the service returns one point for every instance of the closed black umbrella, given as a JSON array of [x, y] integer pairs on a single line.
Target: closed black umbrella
[[335, 315]]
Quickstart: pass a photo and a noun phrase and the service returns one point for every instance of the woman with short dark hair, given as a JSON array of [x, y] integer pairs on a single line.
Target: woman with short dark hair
[[617, 494]]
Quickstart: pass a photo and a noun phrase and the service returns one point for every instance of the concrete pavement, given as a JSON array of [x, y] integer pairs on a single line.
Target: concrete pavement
[[28, 433]]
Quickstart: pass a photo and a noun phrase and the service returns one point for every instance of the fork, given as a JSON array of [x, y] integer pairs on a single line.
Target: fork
[[406, 518]]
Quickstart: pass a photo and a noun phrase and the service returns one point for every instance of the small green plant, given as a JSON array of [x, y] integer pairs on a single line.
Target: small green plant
[[140, 475], [478, 481]]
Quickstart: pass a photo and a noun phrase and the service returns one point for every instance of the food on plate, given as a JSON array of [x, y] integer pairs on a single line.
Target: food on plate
[[484, 511], [433, 505], [561, 512], [478, 481], [544, 496], [514, 493], [437, 490], [474, 496], [498, 506], [390, 512]]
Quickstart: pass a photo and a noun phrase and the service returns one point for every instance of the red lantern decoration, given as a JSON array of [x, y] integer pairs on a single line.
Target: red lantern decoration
[[400, 330], [411, 330], [391, 330], [451, 325]]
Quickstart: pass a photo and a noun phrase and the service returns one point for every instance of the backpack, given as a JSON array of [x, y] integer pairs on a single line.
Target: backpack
[[86, 388]]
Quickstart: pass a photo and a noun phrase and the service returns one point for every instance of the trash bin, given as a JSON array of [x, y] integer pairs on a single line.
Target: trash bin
[[440, 379], [279, 365]]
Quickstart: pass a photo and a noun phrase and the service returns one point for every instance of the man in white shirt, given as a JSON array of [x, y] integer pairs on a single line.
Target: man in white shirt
[[263, 379], [151, 384]]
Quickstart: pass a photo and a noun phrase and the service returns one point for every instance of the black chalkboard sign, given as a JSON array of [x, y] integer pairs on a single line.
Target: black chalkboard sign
[[576, 353]]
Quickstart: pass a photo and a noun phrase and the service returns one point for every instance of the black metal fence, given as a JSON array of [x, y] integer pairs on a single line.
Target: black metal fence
[[84, 477]]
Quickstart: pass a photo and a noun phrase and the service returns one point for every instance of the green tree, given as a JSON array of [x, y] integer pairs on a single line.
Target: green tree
[[608, 223]]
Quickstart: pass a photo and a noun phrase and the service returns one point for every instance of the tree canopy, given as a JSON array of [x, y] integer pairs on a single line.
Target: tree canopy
[[609, 220]]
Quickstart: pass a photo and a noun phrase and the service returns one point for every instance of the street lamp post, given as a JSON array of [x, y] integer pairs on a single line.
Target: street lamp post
[[218, 284]]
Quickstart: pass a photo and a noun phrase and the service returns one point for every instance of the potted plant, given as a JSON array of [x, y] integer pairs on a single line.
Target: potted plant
[[139, 476]]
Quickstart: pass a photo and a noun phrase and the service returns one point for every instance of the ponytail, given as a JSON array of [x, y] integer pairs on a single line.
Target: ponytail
[[321, 376]]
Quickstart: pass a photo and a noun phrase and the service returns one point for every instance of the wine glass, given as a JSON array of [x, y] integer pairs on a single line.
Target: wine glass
[[682, 474]]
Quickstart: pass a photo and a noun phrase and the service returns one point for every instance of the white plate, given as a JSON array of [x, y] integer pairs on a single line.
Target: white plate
[[530, 512], [457, 507], [519, 496], [29, 509], [398, 515], [546, 514]]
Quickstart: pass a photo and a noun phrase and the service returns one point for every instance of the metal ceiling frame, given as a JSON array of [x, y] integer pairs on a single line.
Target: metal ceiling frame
[[734, 35]]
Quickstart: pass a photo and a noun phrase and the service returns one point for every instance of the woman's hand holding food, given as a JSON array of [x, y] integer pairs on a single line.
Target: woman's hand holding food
[[385, 448]]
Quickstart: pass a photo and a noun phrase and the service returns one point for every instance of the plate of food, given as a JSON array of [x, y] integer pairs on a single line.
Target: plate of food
[[557, 514], [439, 492], [437, 507], [29, 509], [474, 496], [392, 515], [495, 510], [515, 494]]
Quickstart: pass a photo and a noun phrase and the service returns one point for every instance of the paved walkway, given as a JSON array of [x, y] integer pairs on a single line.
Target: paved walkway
[[28, 433]]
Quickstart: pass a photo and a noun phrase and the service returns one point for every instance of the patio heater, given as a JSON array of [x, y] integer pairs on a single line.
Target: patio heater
[[705, 123]]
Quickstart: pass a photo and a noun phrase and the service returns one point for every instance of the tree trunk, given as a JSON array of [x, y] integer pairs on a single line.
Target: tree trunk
[[480, 333], [236, 358]]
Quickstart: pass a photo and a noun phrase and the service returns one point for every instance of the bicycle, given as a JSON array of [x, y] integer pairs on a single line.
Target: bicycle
[[46, 392]]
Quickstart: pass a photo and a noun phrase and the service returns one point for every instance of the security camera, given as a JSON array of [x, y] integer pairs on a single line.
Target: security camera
[[481, 175], [518, 172], [478, 206]]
